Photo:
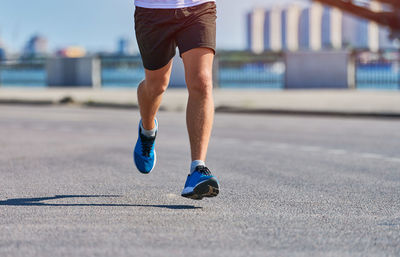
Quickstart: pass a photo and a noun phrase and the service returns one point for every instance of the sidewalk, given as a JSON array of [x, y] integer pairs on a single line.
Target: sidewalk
[[305, 102]]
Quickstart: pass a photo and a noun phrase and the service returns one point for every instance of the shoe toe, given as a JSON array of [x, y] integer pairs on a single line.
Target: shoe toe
[[144, 165]]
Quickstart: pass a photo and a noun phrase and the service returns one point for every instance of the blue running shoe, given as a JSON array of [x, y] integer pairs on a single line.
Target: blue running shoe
[[144, 153], [200, 184]]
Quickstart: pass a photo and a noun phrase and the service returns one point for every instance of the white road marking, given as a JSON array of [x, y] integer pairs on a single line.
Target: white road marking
[[258, 143], [281, 146], [311, 149], [371, 156], [337, 151], [393, 159]]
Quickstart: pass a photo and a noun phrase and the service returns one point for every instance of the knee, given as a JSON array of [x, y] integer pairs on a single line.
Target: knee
[[200, 83], [156, 85]]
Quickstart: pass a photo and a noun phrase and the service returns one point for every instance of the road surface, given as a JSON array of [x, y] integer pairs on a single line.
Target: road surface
[[290, 186]]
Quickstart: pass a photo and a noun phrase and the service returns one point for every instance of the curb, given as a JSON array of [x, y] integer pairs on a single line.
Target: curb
[[26, 102], [219, 109], [341, 114]]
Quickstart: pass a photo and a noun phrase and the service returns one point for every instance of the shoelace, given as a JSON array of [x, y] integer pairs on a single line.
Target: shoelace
[[203, 170], [147, 144]]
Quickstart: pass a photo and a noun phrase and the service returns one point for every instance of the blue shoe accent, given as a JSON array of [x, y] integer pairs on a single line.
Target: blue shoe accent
[[201, 183], [144, 154]]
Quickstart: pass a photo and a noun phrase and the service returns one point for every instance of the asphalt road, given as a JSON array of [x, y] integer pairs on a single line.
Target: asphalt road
[[290, 186]]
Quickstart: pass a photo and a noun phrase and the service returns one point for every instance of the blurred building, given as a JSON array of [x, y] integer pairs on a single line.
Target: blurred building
[[2, 54], [310, 27], [331, 28], [289, 32], [36, 46], [255, 26], [125, 47], [384, 38], [379, 36], [2, 51], [72, 52], [304, 29], [314, 28], [355, 32], [291, 22]]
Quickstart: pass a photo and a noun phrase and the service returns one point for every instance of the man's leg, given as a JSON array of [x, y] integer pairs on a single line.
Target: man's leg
[[200, 108], [199, 118], [150, 93]]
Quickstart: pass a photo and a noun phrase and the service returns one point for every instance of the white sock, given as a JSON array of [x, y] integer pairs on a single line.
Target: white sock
[[148, 133], [195, 164]]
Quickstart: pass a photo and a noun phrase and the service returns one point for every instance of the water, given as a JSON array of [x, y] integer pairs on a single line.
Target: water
[[23, 78], [129, 78], [382, 77], [268, 76]]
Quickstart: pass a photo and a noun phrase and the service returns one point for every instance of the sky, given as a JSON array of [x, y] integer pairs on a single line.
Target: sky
[[97, 24]]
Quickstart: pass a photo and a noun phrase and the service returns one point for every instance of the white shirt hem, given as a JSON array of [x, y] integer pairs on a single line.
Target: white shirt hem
[[168, 6]]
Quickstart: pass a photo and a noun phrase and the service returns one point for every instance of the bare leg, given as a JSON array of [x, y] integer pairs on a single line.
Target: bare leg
[[150, 93], [200, 108]]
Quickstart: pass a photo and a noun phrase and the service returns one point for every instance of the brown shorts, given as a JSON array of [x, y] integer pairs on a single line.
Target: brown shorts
[[160, 31]]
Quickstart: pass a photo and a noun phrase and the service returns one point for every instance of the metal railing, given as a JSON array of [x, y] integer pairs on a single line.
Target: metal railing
[[121, 71], [378, 70], [247, 70], [23, 72], [232, 70]]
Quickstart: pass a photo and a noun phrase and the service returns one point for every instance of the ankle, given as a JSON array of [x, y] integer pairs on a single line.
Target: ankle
[[149, 132], [196, 163]]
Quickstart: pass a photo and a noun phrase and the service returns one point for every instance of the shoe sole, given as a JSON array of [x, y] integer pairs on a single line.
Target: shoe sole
[[208, 188]]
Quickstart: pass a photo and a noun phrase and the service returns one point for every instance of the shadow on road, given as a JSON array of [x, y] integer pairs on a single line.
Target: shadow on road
[[38, 202]]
